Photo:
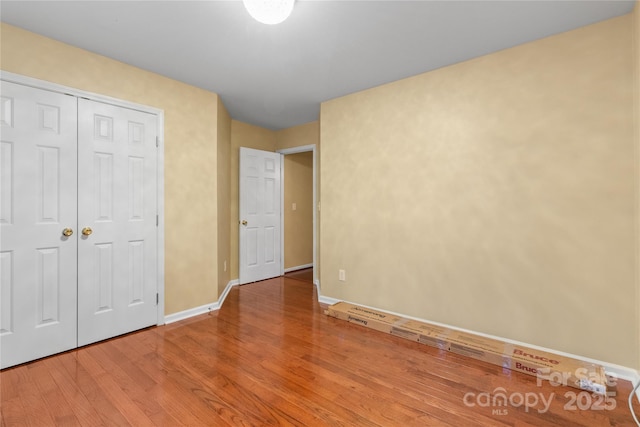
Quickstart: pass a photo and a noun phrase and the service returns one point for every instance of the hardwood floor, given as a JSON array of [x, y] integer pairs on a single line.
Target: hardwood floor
[[270, 356], [306, 275]]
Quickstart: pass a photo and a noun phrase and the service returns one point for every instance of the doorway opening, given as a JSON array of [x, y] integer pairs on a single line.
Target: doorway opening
[[295, 228]]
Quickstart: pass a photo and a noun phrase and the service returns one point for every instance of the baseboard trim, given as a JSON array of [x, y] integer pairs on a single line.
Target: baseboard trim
[[227, 289], [185, 314], [328, 300], [316, 283], [617, 371], [299, 267], [203, 309]]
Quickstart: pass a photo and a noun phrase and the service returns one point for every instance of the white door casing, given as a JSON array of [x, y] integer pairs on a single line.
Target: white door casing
[[294, 150], [38, 187], [117, 262], [260, 215]]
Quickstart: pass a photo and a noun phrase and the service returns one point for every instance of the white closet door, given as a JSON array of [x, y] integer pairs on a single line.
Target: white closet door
[[260, 206], [38, 201], [117, 208]]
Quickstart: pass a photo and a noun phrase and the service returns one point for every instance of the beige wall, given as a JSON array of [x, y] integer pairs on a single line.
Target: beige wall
[[298, 136], [496, 195], [298, 223], [224, 197], [249, 136], [189, 146]]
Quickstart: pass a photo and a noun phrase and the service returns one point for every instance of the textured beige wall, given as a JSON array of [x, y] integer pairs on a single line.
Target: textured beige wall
[[224, 197], [298, 224], [298, 136], [250, 136], [190, 150], [496, 194]]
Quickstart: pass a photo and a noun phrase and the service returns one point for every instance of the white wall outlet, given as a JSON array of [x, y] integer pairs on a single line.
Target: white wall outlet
[[225, 265], [342, 276], [294, 207]]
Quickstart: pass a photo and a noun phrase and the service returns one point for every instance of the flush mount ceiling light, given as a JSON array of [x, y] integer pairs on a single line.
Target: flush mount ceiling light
[[269, 12]]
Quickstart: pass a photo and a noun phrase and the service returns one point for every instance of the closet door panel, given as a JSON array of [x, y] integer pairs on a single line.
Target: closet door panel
[[117, 193]]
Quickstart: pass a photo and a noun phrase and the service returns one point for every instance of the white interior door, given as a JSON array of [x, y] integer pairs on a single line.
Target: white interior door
[[117, 220], [260, 209], [38, 201]]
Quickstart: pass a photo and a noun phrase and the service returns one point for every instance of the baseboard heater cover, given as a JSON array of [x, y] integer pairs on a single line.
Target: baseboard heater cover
[[546, 366]]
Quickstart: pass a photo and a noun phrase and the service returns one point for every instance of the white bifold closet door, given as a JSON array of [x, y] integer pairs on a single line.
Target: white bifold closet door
[[78, 222], [117, 199], [38, 272]]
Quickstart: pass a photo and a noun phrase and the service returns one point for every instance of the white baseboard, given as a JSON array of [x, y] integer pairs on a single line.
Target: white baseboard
[[328, 300], [299, 267], [224, 294], [203, 309], [316, 283], [196, 311], [617, 371]]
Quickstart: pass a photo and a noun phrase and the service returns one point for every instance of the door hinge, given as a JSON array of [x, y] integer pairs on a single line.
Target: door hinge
[[157, 220], [157, 141], [157, 298]]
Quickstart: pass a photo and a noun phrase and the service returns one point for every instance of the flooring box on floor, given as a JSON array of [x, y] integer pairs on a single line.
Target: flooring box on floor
[[545, 366]]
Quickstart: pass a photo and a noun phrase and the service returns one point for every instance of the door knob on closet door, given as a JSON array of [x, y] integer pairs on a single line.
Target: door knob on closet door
[[87, 231], [67, 232], [244, 222]]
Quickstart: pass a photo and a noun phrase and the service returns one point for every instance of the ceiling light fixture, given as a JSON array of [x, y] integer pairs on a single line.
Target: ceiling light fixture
[[269, 12]]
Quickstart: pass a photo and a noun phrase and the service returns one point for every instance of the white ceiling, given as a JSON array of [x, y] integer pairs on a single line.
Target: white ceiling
[[277, 76]]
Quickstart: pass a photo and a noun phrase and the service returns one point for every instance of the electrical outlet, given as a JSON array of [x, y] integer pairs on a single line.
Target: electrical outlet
[[342, 276], [225, 265], [294, 207]]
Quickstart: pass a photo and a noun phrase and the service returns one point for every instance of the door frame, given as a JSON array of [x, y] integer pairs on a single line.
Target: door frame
[[54, 87], [294, 150]]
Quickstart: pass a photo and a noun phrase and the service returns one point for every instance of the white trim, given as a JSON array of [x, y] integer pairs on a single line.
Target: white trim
[[282, 269], [54, 87], [621, 372], [316, 283], [226, 291], [185, 314], [203, 309], [160, 212], [299, 267], [327, 300], [295, 150]]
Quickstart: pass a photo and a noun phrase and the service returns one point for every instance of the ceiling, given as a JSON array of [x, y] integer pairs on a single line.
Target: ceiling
[[277, 76]]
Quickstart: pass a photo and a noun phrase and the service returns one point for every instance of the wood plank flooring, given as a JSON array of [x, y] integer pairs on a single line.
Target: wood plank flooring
[[305, 274], [271, 357]]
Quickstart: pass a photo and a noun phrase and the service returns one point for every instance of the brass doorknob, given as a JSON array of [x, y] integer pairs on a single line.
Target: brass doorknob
[[244, 222], [87, 231], [67, 232]]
